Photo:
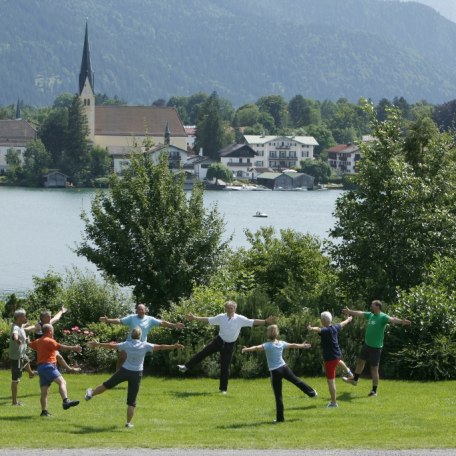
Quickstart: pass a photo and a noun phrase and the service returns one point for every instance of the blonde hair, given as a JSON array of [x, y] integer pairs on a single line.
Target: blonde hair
[[232, 303], [272, 332], [136, 333]]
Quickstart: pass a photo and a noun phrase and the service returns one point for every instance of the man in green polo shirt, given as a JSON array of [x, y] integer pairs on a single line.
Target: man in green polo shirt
[[373, 341]]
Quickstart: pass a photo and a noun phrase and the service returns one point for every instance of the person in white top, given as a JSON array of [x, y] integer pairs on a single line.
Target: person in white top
[[230, 324], [131, 370], [279, 369]]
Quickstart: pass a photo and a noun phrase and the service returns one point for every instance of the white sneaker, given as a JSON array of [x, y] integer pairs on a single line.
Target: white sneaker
[[182, 368], [332, 405], [88, 394], [222, 392], [129, 425], [315, 396], [350, 380]]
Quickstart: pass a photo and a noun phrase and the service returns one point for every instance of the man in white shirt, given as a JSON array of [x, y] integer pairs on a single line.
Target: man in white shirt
[[230, 324]]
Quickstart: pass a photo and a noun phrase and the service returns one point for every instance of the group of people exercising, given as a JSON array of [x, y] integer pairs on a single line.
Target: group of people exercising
[[133, 350]]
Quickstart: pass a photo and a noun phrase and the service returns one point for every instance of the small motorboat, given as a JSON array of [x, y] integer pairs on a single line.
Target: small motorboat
[[260, 214]]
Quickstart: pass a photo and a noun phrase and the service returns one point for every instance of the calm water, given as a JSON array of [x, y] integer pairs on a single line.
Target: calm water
[[39, 227]]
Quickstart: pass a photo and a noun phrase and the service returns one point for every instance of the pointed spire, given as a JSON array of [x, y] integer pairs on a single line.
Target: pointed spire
[[18, 110], [167, 134], [86, 66]]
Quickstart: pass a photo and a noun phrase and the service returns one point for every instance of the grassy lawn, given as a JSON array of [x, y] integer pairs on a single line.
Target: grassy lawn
[[186, 412]]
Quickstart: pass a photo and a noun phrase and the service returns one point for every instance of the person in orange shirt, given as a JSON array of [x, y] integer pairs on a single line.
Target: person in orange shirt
[[46, 348]]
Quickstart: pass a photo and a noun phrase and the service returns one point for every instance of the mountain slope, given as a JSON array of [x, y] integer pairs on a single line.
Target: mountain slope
[[148, 49]]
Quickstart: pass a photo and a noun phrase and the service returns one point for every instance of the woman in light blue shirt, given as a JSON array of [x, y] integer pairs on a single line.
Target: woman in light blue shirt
[[279, 369]]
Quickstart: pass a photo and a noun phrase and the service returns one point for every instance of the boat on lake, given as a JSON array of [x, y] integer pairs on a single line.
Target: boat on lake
[[260, 214]]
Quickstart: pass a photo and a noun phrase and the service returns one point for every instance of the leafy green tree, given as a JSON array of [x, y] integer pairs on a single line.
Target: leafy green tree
[[52, 134], [248, 115], [15, 172], [100, 162], [37, 161], [210, 133], [316, 168], [400, 215], [219, 171], [64, 100], [103, 99], [275, 106], [303, 111], [146, 233], [76, 157], [323, 136]]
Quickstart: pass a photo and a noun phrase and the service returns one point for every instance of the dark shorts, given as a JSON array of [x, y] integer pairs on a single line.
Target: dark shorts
[[124, 375], [371, 354], [48, 373], [17, 366], [330, 368]]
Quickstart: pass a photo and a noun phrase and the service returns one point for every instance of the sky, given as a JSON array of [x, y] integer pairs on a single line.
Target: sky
[[446, 8]]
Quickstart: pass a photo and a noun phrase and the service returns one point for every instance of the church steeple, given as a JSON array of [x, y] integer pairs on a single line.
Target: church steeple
[[86, 72]]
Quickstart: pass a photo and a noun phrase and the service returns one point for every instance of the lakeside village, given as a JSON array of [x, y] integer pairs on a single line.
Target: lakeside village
[[257, 162]]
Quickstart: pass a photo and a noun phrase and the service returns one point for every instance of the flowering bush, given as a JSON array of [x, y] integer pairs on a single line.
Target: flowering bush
[[92, 359]]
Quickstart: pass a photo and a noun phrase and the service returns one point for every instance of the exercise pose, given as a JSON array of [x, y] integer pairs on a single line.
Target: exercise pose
[[132, 369], [331, 350], [373, 341], [279, 369], [230, 324]]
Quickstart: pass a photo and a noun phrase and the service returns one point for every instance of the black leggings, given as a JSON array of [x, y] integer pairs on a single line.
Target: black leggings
[[124, 375], [226, 350], [286, 373]]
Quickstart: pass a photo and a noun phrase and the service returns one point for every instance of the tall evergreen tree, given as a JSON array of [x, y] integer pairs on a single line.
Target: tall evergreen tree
[[209, 129]]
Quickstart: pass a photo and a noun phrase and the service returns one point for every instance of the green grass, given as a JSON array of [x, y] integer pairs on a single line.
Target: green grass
[[186, 412]]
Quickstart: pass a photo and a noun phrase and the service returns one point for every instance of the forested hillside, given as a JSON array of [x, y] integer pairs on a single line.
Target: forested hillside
[[143, 50]]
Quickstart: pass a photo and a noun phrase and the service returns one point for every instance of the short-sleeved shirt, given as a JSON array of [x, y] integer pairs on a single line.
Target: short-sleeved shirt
[[17, 351], [330, 342], [136, 351], [146, 324], [46, 348], [230, 327], [274, 354], [375, 330]]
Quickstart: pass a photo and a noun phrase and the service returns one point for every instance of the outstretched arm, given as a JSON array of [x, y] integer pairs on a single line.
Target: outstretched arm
[[302, 346], [399, 321], [352, 313], [314, 328], [108, 345], [192, 317], [252, 349], [268, 321], [169, 325], [67, 348], [114, 321], [176, 346], [346, 321], [58, 315]]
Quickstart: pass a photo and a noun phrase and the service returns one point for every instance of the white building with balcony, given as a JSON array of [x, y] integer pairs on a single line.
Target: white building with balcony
[[281, 152], [239, 158]]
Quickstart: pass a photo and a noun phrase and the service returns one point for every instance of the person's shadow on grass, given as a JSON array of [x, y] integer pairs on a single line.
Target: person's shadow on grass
[[78, 429], [185, 394], [256, 424]]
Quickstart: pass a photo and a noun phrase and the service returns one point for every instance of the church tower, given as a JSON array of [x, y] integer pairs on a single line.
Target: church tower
[[86, 86]]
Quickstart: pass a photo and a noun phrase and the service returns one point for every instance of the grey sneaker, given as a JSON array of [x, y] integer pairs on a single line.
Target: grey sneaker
[[372, 394], [332, 405], [88, 394], [68, 404], [182, 368], [350, 380]]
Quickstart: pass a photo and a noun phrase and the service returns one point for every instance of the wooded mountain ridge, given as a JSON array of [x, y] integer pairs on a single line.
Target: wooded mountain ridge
[[143, 50]]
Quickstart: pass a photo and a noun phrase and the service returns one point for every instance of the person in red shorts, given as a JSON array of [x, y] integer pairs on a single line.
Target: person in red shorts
[[331, 350], [46, 348]]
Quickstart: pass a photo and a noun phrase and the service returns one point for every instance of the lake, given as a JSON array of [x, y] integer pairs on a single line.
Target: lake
[[40, 227]]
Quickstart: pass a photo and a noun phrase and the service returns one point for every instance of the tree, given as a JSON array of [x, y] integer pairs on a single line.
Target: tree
[[37, 161], [209, 128], [146, 233], [400, 216], [52, 134], [219, 171], [15, 172], [248, 115], [303, 111], [275, 106], [316, 168], [76, 159], [323, 136], [100, 162]]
